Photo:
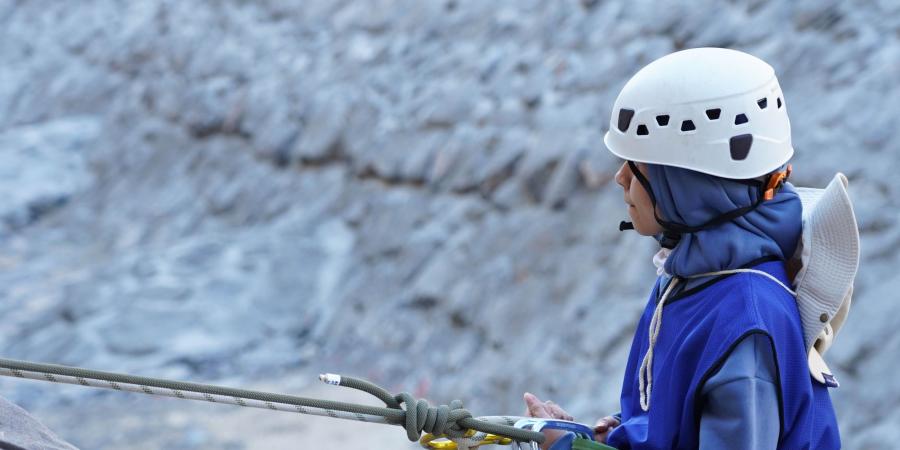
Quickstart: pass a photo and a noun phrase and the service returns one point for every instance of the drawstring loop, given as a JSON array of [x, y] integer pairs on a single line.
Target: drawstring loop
[[645, 377]]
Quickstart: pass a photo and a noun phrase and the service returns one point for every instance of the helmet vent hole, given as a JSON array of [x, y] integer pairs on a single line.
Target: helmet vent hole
[[642, 130], [713, 114], [740, 146], [688, 125], [779, 102], [763, 102], [740, 119], [625, 116], [662, 120]]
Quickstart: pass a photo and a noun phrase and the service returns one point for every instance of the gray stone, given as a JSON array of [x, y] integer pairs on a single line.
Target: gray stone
[[564, 180], [449, 105], [321, 136], [22, 430], [43, 167]]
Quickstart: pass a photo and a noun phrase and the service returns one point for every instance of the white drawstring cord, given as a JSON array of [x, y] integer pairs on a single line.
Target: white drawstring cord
[[758, 272], [645, 376]]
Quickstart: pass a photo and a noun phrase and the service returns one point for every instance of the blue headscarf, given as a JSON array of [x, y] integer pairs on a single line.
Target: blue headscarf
[[693, 198]]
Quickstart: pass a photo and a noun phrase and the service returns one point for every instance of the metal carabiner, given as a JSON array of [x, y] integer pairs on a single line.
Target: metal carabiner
[[471, 440], [527, 424]]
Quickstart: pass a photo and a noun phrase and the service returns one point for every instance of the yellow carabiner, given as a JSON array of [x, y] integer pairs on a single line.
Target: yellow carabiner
[[429, 440]]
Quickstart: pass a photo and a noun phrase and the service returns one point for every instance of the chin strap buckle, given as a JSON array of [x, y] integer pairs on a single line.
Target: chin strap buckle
[[669, 239], [775, 181]]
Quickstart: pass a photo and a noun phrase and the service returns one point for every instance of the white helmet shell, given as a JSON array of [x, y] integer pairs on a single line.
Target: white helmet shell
[[712, 110]]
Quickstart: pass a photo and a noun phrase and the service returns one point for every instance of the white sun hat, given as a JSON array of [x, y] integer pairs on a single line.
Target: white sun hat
[[828, 255]]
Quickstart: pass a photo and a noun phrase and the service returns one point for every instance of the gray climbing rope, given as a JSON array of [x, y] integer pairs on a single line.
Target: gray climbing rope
[[418, 416]]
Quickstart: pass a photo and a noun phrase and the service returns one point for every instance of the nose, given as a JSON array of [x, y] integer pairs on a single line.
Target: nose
[[623, 176]]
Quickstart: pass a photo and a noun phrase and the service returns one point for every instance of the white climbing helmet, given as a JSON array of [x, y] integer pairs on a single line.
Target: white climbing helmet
[[712, 110]]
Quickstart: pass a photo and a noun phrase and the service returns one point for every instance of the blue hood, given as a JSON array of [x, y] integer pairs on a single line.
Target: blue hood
[[693, 198]]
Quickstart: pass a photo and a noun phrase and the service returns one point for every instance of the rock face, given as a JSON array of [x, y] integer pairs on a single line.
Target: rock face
[[412, 192]]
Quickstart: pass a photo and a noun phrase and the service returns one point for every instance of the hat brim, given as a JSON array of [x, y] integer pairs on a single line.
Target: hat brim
[[830, 259], [819, 369]]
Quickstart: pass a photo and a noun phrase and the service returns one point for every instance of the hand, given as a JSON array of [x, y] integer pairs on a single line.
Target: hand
[[549, 410], [603, 427]]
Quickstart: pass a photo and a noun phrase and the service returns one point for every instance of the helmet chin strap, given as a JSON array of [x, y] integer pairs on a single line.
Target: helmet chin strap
[[668, 238]]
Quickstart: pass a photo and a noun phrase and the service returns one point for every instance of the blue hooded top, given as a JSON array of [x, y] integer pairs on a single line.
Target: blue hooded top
[[693, 198], [708, 318]]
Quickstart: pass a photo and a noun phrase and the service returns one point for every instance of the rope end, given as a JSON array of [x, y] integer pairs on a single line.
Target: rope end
[[330, 378]]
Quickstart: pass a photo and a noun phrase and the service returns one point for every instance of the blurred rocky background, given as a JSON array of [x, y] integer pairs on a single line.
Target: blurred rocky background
[[416, 192]]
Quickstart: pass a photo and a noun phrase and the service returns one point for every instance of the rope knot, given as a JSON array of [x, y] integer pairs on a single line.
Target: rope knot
[[437, 420]]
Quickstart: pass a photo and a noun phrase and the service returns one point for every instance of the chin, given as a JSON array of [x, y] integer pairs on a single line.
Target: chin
[[642, 230]]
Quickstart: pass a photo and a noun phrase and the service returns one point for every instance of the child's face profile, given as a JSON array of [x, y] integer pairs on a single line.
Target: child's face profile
[[640, 208]]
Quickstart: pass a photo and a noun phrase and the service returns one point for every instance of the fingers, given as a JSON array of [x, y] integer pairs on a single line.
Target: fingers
[[536, 408], [548, 409], [603, 427], [557, 412], [605, 424]]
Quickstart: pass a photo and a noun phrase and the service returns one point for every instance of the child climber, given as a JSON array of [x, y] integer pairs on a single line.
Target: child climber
[[727, 353]]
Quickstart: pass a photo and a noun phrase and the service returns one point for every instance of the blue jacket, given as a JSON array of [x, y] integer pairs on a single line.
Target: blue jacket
[[740, 402], [701, 327]]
